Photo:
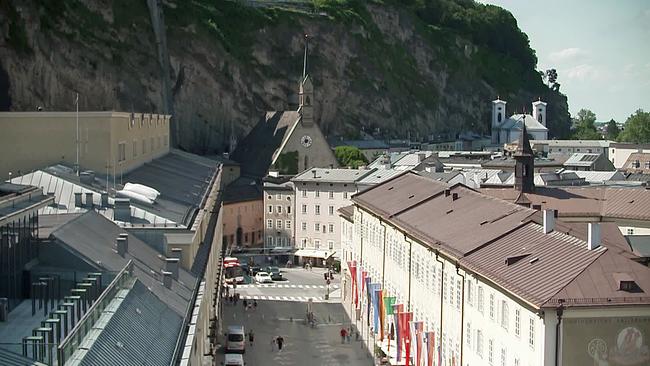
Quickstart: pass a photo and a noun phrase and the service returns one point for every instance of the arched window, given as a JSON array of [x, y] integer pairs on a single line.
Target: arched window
[[499, 117], [539, 116], [504, 314], [308, 101]]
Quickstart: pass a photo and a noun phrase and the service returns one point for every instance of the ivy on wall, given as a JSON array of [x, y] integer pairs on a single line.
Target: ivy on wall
[[287, 163]]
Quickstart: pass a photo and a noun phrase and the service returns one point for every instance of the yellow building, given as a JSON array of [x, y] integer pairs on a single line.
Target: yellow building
[[111, 143]]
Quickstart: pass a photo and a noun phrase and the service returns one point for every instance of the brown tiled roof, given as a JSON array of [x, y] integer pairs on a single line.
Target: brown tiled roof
[[605, 202], [505, 243], [630, 163], [347, 212]]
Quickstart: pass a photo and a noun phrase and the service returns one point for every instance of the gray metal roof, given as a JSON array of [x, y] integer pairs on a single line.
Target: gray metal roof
[[582, 159], [92, 237], [573, 143], [380, 175], [331, 175], [142, 331]]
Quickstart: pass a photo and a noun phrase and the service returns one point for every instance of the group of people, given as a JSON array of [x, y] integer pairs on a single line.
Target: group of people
[[233, 298], [346, 334], [248, 305], [277, 341]]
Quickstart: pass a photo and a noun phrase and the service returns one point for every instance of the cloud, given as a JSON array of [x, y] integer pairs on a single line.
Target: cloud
[[583, 72], [567, 54]]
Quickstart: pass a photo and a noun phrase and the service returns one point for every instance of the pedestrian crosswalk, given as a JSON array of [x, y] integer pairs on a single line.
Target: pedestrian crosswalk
[[284, 298], [273, 285]]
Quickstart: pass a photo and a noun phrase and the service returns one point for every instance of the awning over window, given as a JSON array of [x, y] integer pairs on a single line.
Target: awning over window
[[314, 253]]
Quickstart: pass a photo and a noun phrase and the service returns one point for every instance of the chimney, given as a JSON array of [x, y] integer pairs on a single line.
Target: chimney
[[77, 199], [454, 196], [122, 246], [421, 157], [122, 210], [104, 199], [167, 279], [89, 199], [549, 221], [171, 265], [593, 236], [314, 172], [177, 253]]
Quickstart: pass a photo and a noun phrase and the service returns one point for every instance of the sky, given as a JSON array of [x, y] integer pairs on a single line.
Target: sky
[[600, 48]]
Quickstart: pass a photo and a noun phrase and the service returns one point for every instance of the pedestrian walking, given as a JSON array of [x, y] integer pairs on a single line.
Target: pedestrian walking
[[344, 334], [245, 303], [273, 342], [230, 299], [254, 304], [280, 342], [251, 337]]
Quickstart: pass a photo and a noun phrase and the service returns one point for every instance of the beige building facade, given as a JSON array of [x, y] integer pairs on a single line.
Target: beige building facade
[[112, 143]]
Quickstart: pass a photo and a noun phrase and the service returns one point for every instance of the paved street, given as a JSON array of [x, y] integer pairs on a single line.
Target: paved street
[[304, 345]]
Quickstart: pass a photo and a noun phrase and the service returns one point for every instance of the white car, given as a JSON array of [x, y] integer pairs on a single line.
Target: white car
[[263, 277]]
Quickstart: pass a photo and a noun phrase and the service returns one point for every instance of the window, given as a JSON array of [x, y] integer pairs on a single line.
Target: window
[[303, 243], [517, 322], [304, 193], [279, 209], [458, 294], [469, 336], [317, 209], [269, 224], [345, 194], [479, 343], [269, 197], [468, 290], [317, 193], [491, 306], [331, 195], [287, 224], [480, 299], [303, 226], [531, 333], [289, 210], [330, 245], [278, 224], [630, 231], [504, 314], [304, 208], [490, 351], [270, 209], [316, 244], [503, 357], [121, 151], [331, 228], [331, 210], [269, 241], [317, 227], [517, 363], [135, 148]]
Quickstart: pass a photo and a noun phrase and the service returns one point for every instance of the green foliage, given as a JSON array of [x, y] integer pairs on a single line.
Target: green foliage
[[637, 128], [287, 163], [350, 156], [17, 35], [612, 130], [584, 126]]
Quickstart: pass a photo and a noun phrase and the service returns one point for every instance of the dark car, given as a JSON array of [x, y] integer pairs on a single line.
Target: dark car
[[275, 273], [253, 270]]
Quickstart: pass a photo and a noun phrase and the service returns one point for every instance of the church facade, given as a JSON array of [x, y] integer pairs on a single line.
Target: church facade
[[508, 129]]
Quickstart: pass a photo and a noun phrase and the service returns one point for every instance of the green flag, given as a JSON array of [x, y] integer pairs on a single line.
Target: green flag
[[389, 301]]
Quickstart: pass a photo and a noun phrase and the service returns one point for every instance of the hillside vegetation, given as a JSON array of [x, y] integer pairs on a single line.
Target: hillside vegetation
[[423, 68]]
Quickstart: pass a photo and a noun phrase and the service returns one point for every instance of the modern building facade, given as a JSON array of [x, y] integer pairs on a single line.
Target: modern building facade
[[278, 212], [110, 143], [319, 193], [487, 282]]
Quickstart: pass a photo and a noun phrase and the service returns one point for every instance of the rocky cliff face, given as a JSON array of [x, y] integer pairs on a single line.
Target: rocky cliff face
[[379, 68]]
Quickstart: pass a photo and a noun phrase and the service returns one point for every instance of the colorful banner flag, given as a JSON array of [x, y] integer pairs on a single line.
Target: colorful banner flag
[[376, 307], [404, 319], [381, 313], [397, 309], [389, 301], [355, 284], [371, 287], [431, 347], [419, 337]]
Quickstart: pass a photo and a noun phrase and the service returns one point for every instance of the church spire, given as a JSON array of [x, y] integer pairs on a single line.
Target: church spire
[[304, 62], [524, 163]]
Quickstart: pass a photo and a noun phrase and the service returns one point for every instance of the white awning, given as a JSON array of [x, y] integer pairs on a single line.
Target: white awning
[[314, 253]]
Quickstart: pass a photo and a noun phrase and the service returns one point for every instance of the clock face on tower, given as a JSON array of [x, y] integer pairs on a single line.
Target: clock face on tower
[[306, 141]]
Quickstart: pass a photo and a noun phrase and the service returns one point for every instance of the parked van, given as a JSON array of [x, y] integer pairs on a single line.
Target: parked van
[[235, 338], [233, 359]]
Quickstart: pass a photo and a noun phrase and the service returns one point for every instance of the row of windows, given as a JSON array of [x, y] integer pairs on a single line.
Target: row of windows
[[278, 209], [230, 239], [317, 193], [503, 356], [318, 226], [280, 241], [153, 145], [144, 121], [278, 197], [304, 244], [317, 209], [278, 224]]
